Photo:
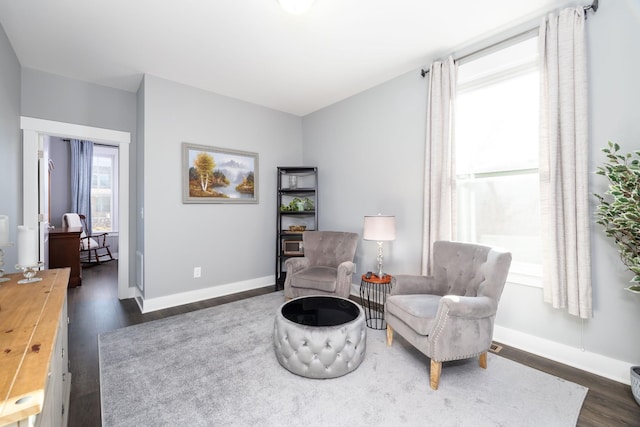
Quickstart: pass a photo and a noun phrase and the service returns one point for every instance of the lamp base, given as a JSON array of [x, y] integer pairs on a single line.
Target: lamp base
[[381, 273], [29, 272]]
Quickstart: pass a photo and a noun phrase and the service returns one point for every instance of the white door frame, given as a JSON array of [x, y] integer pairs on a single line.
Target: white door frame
[[32, 131]]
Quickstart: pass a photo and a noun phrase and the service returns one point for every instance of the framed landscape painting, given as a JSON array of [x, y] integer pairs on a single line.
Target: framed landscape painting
[[218, 175]]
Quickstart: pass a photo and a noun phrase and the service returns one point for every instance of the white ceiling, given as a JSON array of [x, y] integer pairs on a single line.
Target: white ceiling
[[251, 49]]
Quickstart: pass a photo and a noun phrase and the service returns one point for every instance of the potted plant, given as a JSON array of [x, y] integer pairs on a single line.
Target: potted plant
[[619, 208], [619, 214]]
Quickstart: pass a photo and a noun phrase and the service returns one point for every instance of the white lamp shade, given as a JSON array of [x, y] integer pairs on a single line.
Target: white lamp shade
[[379, 228], [296, 7], [27, 246]]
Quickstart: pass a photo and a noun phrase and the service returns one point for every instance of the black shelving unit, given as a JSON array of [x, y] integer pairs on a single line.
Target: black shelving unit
[[301, 183]]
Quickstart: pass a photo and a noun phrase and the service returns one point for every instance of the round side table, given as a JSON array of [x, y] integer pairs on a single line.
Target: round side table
[[373, 294]]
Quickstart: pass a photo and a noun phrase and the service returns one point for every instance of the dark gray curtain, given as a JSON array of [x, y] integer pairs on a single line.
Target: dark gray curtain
[[81, 161]]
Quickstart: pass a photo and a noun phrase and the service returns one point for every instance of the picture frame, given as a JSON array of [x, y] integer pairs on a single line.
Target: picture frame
[[218, 175]]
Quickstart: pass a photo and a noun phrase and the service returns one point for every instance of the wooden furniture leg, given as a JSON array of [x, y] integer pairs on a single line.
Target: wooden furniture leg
[[436, 369], [389, 335], [483, 360]]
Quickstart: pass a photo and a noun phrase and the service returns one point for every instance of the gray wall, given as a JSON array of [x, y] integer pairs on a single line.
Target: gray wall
[[370, 148], [231, 242], [10, 145], [60, 202], [52, 97]]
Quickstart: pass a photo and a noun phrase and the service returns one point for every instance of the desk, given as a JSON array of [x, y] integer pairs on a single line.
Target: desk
[[64, 251], [373, 294], [34, 374]]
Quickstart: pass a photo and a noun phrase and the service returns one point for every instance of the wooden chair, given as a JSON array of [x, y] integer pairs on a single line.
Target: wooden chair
[[93, 247]]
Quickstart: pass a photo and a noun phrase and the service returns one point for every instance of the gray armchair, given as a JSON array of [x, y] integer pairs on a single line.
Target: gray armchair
[[327, 265], [449, 315]]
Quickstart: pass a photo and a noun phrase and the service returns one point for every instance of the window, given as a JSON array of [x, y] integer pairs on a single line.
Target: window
[[104, 189], [496, 157]]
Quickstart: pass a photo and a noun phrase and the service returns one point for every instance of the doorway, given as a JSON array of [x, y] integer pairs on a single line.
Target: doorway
[[35, 190]]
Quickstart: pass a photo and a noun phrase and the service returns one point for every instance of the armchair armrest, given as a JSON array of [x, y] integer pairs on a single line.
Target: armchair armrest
[[343, 278], [345, 269], [463, 327], [409, 284], [468, 307], [296, 264]]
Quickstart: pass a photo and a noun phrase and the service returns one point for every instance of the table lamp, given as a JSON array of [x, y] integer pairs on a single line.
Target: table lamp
[[380, 228]]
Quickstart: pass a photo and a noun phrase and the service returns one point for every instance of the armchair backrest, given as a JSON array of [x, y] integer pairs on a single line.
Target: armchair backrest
[[468, 269], [329, 248]]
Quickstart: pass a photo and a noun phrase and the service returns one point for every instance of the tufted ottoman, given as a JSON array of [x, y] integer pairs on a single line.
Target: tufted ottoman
[[320, 336]]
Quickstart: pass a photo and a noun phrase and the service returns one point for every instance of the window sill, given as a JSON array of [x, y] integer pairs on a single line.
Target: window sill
[[525, 279], [110, 233]]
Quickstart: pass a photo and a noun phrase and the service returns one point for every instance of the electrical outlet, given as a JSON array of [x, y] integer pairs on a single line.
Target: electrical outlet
[[197, 272]]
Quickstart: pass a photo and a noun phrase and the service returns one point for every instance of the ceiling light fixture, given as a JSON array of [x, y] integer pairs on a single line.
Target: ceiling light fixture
[[296, 7]]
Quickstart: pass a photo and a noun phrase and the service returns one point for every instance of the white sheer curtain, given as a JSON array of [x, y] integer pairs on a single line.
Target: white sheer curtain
[[564, 163], [439, 180]]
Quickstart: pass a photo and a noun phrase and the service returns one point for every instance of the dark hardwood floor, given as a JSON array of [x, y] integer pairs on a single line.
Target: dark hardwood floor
[[94, 308]]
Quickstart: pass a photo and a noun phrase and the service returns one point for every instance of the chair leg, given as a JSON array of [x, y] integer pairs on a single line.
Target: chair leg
[[483, 360], [434, 373], [389, 335]]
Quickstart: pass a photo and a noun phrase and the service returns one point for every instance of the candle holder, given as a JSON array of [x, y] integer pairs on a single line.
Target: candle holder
[[3, 279], [29, 272]]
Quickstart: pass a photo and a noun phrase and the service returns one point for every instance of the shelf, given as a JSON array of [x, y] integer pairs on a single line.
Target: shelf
[[282, 255], [297, 170], [293, 191], [306, 187], [297, 212]]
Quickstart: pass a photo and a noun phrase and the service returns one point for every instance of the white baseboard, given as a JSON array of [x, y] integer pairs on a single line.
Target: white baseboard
[[129, 293], [153, 304], [598, 364]]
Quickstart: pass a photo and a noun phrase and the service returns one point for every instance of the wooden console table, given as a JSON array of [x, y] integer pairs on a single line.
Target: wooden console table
[[64, 251], [34, 374]]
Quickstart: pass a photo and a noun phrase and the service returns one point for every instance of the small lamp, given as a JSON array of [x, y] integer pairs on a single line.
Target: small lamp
[[380, 228]]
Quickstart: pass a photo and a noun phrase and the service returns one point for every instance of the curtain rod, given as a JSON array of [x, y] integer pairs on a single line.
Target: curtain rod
[[95, 143], [593, 6]]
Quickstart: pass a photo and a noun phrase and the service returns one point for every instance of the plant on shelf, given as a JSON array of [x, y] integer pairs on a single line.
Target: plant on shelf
[[308, 204], [619, 208], [297, 204]]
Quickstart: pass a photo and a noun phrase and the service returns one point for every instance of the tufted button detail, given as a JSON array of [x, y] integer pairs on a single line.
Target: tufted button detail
[[319, 353]]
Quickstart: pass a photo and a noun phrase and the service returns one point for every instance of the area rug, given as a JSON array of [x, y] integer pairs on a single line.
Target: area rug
[[217, 367]]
